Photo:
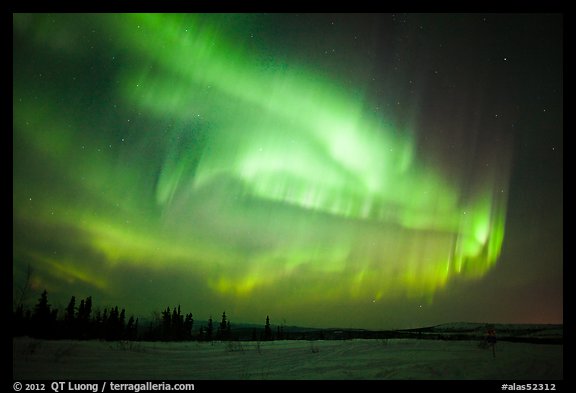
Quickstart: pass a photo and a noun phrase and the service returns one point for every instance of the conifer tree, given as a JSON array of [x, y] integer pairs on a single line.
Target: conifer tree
[[69, 318], [87, 308], [222, 328], [43, 318], [188, 324], [121, 324], [267, 330], [70, 310], [81, 310], [130, 329], [166, 324], [209, 330], [83, 318]]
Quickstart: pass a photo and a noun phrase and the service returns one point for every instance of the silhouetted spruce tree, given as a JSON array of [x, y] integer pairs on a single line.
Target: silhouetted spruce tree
[[188, 324], [81, 310], [154, 331], [121, 325], [70, 319], [111, 323], [42, 309], [114, 319], [53, 331], [108, 324], [130, 333], [174, 325], [267, 330], [96, 325], [210, 329], [88, 308], [43, 318], [83, 319], [103, 332], [221, 334], [70, 310], [166, 324], [114, 328], [177, 327]]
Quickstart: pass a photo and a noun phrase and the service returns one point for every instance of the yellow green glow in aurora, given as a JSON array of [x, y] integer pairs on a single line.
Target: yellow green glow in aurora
[[261, 181]]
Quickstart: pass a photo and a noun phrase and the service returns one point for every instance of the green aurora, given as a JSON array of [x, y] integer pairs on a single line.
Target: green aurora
[[260, 181]]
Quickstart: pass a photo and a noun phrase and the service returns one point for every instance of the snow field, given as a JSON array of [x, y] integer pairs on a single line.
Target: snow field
[[329, 360]]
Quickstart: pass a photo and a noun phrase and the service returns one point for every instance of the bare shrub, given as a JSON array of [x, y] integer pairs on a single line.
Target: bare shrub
[[63, 352], [313, 347], [234, 346]]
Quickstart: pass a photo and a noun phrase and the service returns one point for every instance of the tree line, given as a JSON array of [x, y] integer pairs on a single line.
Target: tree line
[[81, 322]]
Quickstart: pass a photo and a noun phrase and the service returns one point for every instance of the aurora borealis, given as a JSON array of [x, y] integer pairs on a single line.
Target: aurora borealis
[[328, 170]]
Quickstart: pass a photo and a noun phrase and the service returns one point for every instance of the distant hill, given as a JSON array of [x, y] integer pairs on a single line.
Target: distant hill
[[531, 333]]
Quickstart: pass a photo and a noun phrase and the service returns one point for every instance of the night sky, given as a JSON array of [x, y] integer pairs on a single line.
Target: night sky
[[329, 170]]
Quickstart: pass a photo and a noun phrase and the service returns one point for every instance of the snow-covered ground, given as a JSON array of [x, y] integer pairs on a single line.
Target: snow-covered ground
[[348, 359]]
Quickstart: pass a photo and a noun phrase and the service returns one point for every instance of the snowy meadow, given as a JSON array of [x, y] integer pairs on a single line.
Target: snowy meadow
[[358, 359]]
